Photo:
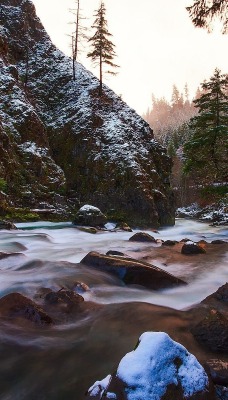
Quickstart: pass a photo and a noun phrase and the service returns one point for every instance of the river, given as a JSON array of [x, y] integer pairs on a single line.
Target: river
[[62, 361]]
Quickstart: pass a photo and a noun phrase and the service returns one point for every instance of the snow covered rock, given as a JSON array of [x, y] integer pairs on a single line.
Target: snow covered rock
[[90, 216], [106, 152], [158, 369]]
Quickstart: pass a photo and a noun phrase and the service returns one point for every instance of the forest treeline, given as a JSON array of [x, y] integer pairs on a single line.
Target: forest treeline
[[169, 119], [195, 133]]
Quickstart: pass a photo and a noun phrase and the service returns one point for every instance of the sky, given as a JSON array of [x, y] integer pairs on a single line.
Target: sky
[[157, 45]]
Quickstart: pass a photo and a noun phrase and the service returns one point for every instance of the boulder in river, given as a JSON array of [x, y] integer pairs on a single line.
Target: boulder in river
[[169, 243], [123, 227], [218, 241], [158, 368], [221, 294], [218, 370], [88, 229], [80, 287], [212, 331], [65, 299], [192, 248], [7, 225], [132, 271], [218, 300], [15, 305], [142, 237], [115, 253], [90, 216]]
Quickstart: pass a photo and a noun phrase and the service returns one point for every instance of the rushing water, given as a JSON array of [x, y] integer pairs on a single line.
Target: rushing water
[[50, 251], [60, 362]]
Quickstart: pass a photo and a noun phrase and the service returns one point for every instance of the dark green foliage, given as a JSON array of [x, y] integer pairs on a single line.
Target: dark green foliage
[[3, 185], [102, 47], [202, 12], [214, 193], [206, 151], [21, 215]]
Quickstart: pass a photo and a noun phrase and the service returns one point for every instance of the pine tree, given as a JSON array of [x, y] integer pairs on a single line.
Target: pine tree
[[206, 150], [103, 49], [202, 12]]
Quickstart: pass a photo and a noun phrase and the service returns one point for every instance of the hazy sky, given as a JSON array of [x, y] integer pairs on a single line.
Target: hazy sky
[[156, 44]]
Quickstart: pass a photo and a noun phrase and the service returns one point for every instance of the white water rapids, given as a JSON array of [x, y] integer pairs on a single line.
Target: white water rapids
[[49, 253]]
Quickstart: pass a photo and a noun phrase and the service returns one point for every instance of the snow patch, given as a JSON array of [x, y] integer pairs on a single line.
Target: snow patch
[[153, 365]]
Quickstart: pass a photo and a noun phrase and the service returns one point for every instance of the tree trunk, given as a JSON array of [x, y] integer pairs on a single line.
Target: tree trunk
[[76, 35], [73, 59], [100, 86]]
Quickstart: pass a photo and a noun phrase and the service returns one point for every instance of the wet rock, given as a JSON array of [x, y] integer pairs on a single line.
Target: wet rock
[[132, 271], [114, 253], [222, 293], [218, 300], [65, 299], [80, 287], [212, 331], [7, 225], [87, 229], [142, 237], [185, 240], [15, 305], [192, 248], [124, 227], [169, 243], [90, 216], [158, 368], [218, 370], [202, 242], [221, 392], [6, 255], [218, 241], [42, 292]]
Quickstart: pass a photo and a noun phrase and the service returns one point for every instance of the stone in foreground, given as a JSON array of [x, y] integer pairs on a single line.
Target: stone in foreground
[[132, 271], [90, 216], [15, 305], [159, 368]]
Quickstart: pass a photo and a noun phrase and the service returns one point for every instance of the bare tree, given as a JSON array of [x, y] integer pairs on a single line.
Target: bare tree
[[78, 35]]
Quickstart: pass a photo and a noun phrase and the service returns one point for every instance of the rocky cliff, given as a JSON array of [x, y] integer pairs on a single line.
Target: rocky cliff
[[57, 134]]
